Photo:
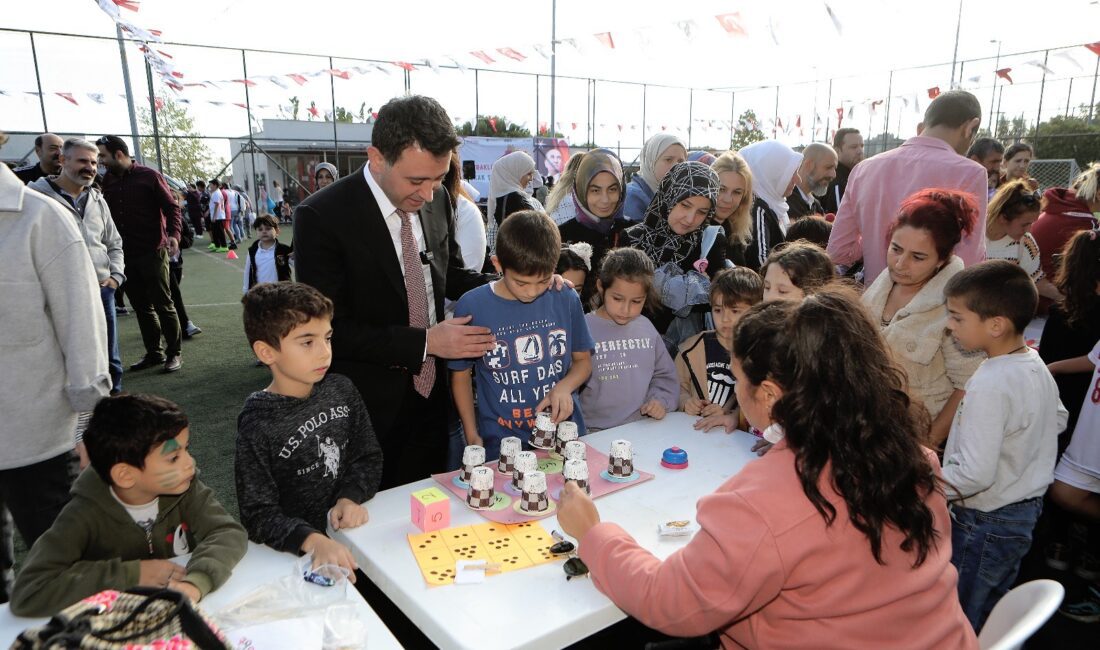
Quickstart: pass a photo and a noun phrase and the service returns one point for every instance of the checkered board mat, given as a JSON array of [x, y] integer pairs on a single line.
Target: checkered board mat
[[513, 547]]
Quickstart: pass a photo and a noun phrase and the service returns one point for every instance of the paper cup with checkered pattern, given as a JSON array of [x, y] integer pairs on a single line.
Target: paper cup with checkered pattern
[[534, 497], [621, 460], [480, 493], [576, 471], [472, 456], [567, 432], [526, 462], [575, 450], [509, 447], [542, 436]]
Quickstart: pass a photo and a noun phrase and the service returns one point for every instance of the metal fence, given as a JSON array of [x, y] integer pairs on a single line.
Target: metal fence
[[44, 91]]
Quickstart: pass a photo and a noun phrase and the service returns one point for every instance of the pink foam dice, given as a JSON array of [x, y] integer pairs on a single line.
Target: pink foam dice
[[431, 509]]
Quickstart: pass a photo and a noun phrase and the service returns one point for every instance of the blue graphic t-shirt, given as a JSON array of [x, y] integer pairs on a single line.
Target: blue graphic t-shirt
[[534, 347]]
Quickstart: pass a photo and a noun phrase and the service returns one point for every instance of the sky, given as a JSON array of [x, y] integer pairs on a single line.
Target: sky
[[819, 66]]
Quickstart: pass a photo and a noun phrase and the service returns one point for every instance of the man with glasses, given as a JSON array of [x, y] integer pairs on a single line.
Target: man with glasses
[[935, 158], [148, 218]]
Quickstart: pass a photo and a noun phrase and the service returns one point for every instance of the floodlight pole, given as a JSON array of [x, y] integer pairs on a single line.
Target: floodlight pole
[[955, 57], [129, 95], [553, 67]]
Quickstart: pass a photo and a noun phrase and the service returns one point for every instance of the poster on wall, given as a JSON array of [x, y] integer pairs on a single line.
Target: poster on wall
[[486, 151], [551, 155]]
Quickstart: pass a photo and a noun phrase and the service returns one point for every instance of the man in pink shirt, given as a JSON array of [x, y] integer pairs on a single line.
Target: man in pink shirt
[[933, 159]]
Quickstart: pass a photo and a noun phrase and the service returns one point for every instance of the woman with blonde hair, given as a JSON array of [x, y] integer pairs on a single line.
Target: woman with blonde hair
[[1012, 211], [732, 211]]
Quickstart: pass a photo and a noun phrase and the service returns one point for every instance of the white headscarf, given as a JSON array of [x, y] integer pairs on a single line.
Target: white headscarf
[[651, 152], [772, 164], [505, 177]]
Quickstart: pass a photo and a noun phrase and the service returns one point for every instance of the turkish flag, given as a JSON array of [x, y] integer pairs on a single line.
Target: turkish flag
[[512, 54], [404, 66], [1003, 74], [298, 79], [732, 24], [313, 111], [493, 123], [247, 82], [342, 74], [480, 54], [68, 96], [606, 39], [933, 92], [1094, 48]]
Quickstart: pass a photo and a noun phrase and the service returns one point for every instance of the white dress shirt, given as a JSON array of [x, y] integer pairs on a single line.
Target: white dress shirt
[[393, 223]]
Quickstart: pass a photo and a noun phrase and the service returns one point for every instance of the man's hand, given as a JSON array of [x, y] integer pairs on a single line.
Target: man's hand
[[347, 514], [560, 403], [159, 573], [454, 339], [187, 589], [109, 282], [173, 247], [327, 551], [576, 512], [654, 409]]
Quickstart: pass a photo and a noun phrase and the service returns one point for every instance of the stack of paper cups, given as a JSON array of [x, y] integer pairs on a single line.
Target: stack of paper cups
[[526, 462]]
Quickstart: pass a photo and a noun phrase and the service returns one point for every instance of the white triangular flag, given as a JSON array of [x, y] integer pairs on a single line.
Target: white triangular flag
[[1039, 64], [96, 97], [542, 50], [458, 64], [1069, 57]]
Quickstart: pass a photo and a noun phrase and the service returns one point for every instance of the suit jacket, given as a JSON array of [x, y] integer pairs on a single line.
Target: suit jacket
[[343, 248]]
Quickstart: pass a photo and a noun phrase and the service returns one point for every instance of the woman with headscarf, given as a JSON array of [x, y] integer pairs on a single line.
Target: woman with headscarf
[[508, 191], [325, 174], [659, 154], [685, 256], [592, 215], [774, 168]]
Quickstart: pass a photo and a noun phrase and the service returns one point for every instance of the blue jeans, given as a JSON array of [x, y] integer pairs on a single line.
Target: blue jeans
[[236, 227], [987, 548], [107, 295]]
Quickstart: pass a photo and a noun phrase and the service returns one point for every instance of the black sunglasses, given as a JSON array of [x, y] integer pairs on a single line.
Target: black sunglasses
[[574, 566]]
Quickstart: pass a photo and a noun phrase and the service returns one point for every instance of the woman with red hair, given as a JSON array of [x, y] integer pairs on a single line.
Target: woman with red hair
[[908, 303]]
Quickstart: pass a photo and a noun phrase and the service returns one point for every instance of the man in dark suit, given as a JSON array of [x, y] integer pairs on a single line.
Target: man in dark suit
[[380, 243]]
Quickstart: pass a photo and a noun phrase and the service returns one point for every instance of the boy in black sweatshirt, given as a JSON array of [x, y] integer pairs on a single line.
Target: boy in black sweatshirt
[[306, 453]]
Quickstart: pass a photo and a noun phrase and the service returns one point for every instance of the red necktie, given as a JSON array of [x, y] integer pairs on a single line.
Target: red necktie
[[417, 294]]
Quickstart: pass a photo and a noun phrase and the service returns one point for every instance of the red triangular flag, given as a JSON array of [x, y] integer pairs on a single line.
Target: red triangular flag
[[298, 79], [241, 105], [512, 54], [342, 74], [732, 24], [247, 82], [313, 111], [493, 123], [480, 54], [404, 66], [798, 121], [173, 85], [933, 92], [132, 5], [1094, 48], [606, 39], [68, 96], [158, 103], [839, 116], [1003, 74]]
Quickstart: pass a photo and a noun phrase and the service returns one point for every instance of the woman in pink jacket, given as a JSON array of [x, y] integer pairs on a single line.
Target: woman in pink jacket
[[837, 537]]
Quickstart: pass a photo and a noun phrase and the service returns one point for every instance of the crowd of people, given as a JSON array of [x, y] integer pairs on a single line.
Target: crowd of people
[[865, 319]]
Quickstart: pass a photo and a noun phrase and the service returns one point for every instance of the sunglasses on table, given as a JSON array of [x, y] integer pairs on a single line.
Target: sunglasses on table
[[574, 566]]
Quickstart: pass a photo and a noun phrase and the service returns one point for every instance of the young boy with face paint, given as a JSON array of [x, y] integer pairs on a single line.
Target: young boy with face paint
[[138, 504]]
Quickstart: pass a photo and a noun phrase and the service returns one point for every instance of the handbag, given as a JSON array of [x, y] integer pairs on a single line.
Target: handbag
[[140, 618], [680, 291]]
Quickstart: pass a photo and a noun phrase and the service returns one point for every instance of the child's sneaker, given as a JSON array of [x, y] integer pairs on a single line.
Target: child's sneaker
[[1088, 566], [212, 246], [1058, 556], [1086, 610]]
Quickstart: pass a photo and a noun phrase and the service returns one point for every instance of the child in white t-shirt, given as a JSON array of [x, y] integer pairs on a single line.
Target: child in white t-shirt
[[999, 457]]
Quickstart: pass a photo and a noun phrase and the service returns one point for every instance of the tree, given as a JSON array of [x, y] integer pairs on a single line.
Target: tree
[[183, 153], [495, 125], [747, 131], [1063, 137]]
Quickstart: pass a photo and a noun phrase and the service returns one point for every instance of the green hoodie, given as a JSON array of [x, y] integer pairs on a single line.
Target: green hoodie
[[94, 545]]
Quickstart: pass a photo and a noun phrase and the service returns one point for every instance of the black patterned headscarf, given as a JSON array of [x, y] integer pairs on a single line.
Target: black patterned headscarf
[[684, 180]]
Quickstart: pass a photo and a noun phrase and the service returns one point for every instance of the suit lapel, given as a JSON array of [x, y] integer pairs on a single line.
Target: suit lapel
[[377, 234]]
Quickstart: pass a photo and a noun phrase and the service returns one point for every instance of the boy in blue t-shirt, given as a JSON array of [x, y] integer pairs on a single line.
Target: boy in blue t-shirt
[[543, 350]]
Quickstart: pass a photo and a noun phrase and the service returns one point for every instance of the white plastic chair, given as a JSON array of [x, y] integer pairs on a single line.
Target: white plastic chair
[[1020, 614]]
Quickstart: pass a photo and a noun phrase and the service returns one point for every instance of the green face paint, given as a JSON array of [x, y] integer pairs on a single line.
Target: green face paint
[[170, 446], [168, 478]]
